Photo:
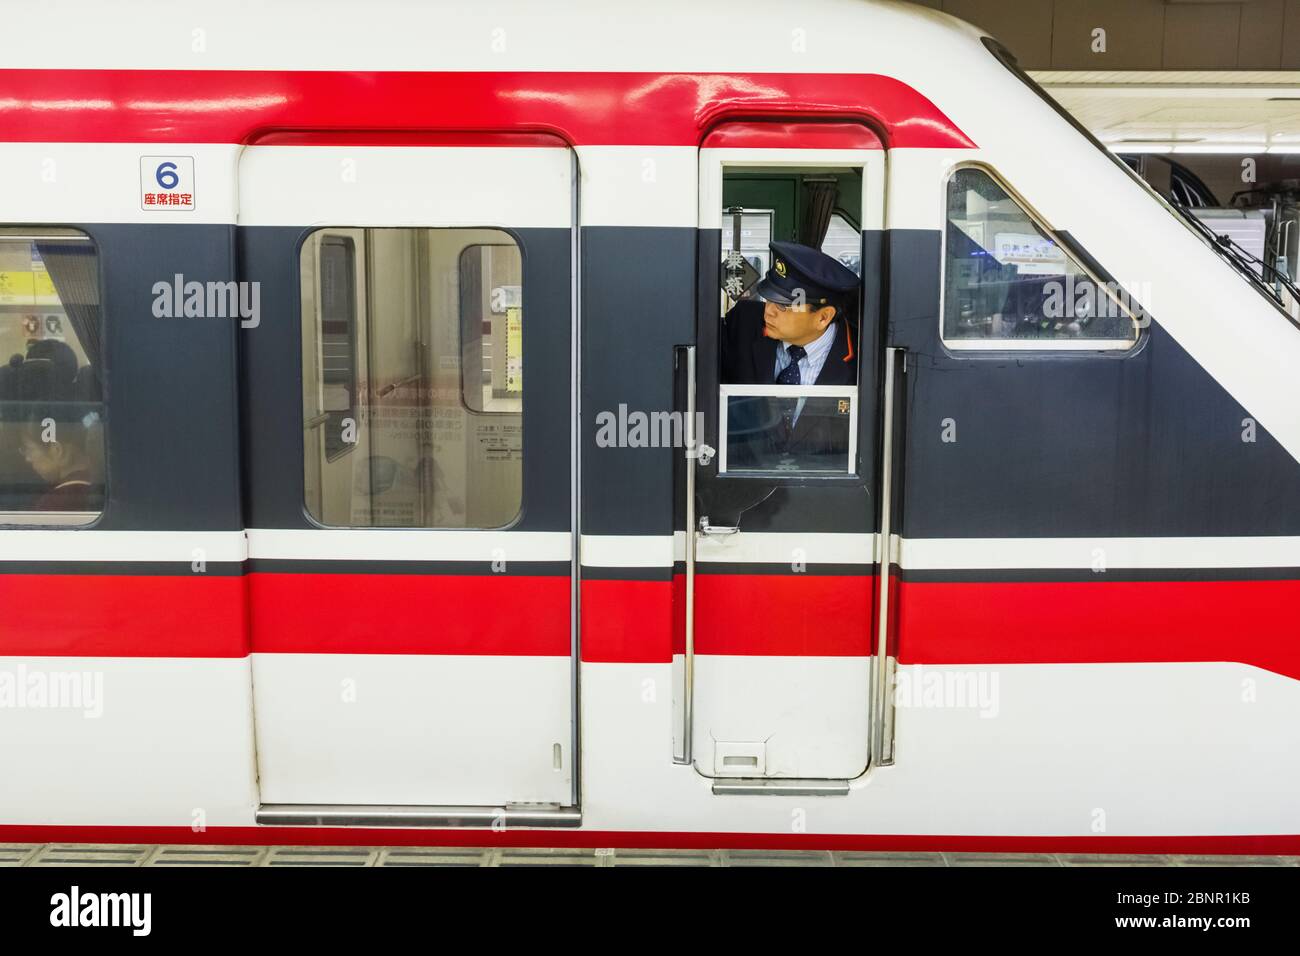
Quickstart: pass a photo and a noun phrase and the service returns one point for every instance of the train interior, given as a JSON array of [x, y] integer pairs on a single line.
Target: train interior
[[413, 377], [51, 411], [818, 207]]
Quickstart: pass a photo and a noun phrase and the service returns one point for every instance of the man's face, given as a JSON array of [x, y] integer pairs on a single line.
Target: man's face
[[797, 325]]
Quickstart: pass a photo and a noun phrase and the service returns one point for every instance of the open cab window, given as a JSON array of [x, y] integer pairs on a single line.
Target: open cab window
[[782, 412]]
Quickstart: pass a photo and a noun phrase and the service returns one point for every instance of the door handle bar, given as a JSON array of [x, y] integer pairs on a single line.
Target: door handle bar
[[688, 658]]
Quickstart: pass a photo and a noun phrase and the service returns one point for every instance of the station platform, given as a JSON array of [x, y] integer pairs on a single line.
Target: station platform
[[71, 854]]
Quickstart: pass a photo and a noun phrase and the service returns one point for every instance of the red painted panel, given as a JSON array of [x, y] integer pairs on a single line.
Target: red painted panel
[[627, 621], [794, 135], [783, 615], [1250, 622], [381, 137], [410, 614], [101, 615], [637, 109], [735, 614], [1252, 844]]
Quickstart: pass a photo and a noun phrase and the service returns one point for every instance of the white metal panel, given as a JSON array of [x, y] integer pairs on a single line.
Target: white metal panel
[[638, 185], [172, 745], [407, 544], [752, 547], [101, 182], [770, 547], [1092, 553], [413, 730], [1031, 768], [49, 544], [627, 550], [838, 36], [488, 186], [809, 714]]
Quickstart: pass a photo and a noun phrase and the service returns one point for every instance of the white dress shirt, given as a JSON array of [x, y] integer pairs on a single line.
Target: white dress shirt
[[810, 366]]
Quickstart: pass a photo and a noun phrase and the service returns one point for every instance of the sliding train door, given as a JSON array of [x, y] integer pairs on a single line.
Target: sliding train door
[[408, 452], [777, 664]]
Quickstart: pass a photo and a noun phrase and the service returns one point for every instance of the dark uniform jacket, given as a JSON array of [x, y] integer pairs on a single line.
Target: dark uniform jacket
[[758, 436]]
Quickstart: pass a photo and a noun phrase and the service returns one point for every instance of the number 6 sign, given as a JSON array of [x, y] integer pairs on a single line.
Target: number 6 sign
[[167, 183]]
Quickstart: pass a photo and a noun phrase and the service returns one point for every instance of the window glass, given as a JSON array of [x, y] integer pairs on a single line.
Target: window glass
[[809, 429], [744, 264], [51, 409], [1008, 280], [413, 377], [844, 242], [788, 339], [338, 338], [492, 328]]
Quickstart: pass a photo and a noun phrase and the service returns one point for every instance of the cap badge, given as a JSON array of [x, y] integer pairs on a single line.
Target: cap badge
[[780, 268]]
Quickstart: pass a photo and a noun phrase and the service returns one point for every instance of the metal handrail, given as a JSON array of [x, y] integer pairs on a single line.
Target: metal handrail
[[688, 658], [882, 755]]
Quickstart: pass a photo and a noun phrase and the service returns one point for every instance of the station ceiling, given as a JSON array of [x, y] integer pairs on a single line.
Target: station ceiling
[[1186, 111]]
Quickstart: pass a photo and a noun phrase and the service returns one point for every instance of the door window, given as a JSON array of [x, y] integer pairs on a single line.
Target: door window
[[413, 387]]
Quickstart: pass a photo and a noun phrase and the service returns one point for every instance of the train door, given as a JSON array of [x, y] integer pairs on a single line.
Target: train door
[[409, 450], [776, 672]]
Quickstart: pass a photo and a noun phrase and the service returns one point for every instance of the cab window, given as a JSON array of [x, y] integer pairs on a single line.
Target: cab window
[[788, 377], [51, 408], [1009, 283]]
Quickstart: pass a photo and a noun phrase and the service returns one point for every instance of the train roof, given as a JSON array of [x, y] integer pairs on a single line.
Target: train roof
[[762, 36], [113, 65]]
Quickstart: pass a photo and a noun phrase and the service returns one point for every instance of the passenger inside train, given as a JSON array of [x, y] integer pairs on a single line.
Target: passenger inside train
[[51, 412]]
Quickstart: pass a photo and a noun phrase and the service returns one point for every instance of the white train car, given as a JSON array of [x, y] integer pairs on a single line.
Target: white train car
[[367, 474]]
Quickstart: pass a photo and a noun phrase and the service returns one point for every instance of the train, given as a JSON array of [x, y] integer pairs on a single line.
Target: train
[[368, 476]]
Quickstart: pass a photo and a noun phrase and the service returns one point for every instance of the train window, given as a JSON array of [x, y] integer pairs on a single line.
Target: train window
[[492, 366], [844, 242], [1010, 283], [413, 377], [51, 408], [338, 339]]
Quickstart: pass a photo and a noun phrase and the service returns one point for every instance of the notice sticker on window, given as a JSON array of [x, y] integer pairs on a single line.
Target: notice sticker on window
[[514, 352]]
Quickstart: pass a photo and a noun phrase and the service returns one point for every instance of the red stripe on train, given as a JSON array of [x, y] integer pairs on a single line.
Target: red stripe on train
[[1089, 622], [628, 621], [1251, 622], [759, 615], [633, 109], [1251, 844], [410, 614], [769, 135], [93, 615]]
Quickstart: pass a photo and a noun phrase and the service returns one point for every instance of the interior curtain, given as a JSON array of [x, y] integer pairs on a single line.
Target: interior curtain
[[73, 268], [819, 205]]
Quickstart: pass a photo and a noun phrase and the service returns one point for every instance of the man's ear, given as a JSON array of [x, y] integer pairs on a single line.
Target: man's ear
[[825, 315]]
